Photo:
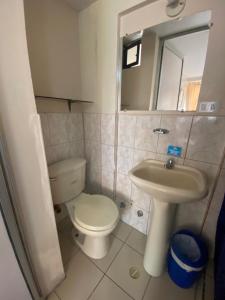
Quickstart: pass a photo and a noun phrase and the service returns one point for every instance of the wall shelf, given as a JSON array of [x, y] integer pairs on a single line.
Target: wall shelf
[[69, 101]]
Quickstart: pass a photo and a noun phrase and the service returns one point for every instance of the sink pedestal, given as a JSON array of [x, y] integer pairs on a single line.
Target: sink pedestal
[[156, 250]]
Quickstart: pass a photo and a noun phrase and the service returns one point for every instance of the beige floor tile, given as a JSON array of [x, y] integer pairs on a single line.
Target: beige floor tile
[[82, 276], [53, 296], [108, 290], [67, 245], [119, 272], [64, 225], [122, 231], [208, 289], [137, 241], [163, 288], [105, 262]]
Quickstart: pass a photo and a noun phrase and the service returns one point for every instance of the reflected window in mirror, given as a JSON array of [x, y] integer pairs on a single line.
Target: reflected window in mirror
[[132, 54], [166, 72]]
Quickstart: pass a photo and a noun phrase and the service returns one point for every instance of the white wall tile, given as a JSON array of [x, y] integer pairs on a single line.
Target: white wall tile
[[190, 216], [93, 154], [93, 179], [107, 183], [207, 139], [108, 129], [108, 158], [140, 155], [145, 139], [164, 158], [125, 211], [140, 223], [57, 152], [123, 187], [76, 149], [74, 127], [45, 129], [92, 126], [209, 170], [126, 130], [58, 128], [140, 198], [124, 159], [179, 129]]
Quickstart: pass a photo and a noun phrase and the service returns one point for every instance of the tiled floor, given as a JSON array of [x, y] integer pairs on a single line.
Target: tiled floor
[[109, 278]]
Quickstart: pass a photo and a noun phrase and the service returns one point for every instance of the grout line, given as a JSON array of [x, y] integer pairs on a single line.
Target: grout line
[[114, 258], [100, 141], [96, 287], [211, 198], [65, 266], [135, 250], [120, 287], [116, 141], [188, 139], [104, 272], [160, 124], [146, 288], [132, 229]]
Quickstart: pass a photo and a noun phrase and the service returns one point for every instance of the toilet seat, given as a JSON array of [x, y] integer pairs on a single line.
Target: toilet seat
[[94, 212]]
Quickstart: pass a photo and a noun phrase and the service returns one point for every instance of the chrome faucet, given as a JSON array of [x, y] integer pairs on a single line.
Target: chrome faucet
[[170, 163]]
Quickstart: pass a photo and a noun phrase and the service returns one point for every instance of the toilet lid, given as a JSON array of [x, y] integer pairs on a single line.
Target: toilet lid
[[95, 212]]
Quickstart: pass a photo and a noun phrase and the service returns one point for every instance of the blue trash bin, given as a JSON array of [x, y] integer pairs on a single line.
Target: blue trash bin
[[187, 258]]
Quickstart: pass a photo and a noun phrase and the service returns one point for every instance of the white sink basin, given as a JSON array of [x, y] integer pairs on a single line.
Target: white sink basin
[[178, 185], [168, 187]]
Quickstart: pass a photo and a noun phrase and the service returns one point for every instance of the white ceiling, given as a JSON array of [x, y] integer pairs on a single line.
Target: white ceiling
[[79, 4]]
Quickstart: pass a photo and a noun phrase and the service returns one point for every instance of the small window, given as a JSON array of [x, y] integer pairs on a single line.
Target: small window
[[132, 55]]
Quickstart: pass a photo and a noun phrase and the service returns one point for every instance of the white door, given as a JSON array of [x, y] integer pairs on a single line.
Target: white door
[[170, 78]]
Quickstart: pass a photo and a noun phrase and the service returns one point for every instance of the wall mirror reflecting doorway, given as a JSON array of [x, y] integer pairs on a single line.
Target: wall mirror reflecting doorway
[[163, 65]]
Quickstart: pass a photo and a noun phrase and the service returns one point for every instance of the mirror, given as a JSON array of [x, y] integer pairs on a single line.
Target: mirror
[[163, 65]]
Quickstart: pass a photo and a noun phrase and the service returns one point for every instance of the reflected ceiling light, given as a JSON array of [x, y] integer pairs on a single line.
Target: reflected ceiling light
[[175, 7]]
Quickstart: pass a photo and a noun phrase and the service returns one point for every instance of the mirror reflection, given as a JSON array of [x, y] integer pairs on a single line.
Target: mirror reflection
[[163, 65]]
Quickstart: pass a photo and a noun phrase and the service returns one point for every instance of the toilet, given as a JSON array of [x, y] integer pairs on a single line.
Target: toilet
[[94, 216]]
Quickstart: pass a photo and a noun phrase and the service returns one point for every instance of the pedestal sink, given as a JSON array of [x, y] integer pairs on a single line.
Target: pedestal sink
[[168, 187]]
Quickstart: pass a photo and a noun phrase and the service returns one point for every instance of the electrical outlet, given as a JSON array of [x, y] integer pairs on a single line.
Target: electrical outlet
[[207, 106]]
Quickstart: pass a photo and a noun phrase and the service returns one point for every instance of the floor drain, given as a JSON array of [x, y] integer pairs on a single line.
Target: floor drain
[[134, 273]]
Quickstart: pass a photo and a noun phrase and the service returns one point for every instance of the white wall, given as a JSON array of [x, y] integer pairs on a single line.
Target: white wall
[[24, 141], [213, 87], [10, 273], [193, 48], [52, 32]]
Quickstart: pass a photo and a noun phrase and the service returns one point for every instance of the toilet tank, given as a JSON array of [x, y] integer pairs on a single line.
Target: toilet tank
[[67, 179]]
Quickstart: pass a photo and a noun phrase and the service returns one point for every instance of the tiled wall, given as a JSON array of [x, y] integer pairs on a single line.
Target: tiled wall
[[63, 135], [87, 135], [202, 139], [99, 135], [92, 135]]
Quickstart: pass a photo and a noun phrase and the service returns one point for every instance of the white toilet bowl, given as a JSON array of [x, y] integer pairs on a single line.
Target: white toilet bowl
[[94, 216]]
